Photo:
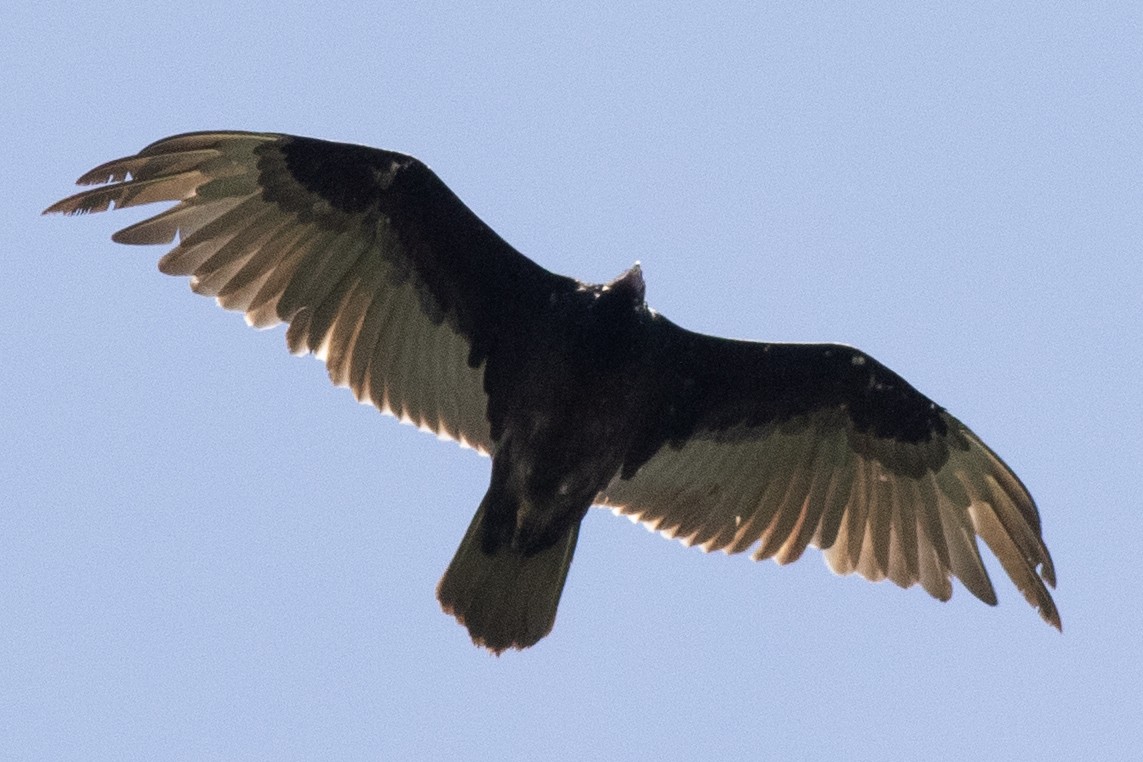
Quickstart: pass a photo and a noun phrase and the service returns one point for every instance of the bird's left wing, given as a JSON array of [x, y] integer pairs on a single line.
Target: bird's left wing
[[787, 445], [376, 265]]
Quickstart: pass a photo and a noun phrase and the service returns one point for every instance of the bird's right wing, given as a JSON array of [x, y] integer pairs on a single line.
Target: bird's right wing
[[781, 446], [376, 265]]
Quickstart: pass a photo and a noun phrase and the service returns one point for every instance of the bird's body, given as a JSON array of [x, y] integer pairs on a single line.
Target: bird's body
[[582, 359], [550, 460], [581, 394]]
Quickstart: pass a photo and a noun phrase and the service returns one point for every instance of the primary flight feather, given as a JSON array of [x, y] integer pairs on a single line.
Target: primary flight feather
[[580, 393]]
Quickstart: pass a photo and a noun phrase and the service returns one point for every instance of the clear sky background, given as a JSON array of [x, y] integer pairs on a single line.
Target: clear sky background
[[206, 551]]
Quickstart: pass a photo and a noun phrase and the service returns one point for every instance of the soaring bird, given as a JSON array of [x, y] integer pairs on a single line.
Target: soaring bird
[[581, 394]]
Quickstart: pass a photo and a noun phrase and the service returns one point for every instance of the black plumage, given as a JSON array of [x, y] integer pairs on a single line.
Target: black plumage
[[580, 393]]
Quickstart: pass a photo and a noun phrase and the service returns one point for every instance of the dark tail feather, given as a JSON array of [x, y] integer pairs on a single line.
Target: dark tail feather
[[506, 599]]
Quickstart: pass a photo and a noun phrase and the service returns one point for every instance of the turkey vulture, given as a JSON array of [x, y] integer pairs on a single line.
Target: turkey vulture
[[580, 393]]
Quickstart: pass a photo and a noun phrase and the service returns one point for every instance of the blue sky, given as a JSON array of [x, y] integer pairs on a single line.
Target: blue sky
[[208, 552]]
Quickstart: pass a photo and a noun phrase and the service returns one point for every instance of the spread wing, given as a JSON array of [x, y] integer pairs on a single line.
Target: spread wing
[[788, 445], [377, 267]]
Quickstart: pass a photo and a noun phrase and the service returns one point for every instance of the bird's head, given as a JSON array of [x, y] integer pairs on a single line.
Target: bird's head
[[628, 287], [617, 308]]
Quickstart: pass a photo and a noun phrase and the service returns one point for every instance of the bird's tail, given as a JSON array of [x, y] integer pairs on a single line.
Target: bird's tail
[[506, 598]]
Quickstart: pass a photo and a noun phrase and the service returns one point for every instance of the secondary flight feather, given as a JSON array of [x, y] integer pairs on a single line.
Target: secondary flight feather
[[581, 394]]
